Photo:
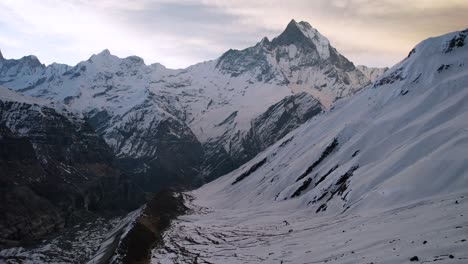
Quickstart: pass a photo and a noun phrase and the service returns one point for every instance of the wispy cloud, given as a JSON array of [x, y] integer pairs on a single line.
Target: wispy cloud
[[180, 33]]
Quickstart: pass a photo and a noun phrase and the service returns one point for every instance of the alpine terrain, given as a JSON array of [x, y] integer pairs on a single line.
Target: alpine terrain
[[382, 177], [304, 156], [184, 126]]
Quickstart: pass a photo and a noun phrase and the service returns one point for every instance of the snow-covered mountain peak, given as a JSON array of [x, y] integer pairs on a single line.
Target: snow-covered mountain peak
[[105, 53], [32, 60], [264, 42], [104, 58], [135, 60], [1, 55], [321, 43], [303, 33], [301, 59]]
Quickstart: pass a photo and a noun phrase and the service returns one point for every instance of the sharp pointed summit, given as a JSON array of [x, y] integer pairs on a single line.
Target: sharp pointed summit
[[303, 35], [291, 35], [105, 52]]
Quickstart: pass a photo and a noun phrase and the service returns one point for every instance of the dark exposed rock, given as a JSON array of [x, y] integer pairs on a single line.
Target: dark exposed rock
[[149, 227], [395, 76], [228, 119], [321, 208], [442, 68], [326, 175], [302, 188], [250, 171], [457, 42], [355, 153], [327, 151], [168, 155], [53, 166]]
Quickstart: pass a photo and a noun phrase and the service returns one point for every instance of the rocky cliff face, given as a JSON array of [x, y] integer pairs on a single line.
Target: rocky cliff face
[[53, 165]]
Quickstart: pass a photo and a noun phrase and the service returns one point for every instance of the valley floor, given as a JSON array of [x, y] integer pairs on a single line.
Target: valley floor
[[430, 231], [92, 242]]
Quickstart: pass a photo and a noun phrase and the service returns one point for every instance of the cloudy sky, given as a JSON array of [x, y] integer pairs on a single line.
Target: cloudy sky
[[181, 33]]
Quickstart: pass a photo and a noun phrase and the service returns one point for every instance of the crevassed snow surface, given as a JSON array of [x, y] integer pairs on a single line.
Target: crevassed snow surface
[[395, 187]]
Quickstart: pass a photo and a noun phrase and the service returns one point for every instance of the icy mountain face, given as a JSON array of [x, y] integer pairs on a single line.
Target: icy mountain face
[[201, 117], [53, 165], [381, 177]]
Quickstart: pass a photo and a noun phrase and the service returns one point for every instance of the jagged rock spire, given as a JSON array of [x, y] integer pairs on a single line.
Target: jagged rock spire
[[1, 55]]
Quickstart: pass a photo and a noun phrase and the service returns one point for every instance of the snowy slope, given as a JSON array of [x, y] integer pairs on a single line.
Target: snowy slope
[[380, 178]]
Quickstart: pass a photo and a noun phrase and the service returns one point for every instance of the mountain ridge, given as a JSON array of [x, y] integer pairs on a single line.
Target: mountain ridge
[[125, 99]]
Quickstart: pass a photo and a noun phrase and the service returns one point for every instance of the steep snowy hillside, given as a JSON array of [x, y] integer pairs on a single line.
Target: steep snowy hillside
[[53, 166], [201, 116], [380, 178]]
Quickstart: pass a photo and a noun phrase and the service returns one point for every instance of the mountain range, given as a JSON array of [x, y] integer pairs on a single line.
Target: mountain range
[[309, 144], [165, 126], [382, 177]]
